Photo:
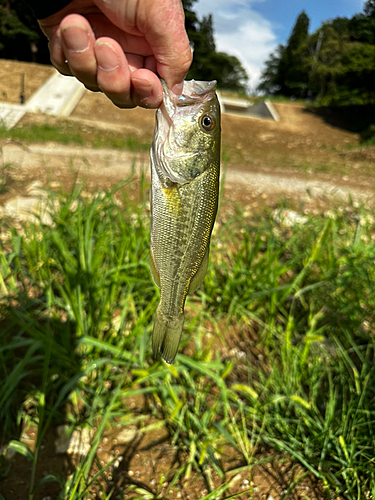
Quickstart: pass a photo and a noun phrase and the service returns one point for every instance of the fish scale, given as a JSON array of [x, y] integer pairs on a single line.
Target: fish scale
[[185, 164]]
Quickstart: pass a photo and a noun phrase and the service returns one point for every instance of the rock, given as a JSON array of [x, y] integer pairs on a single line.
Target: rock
[[36, 189], [78, 443], [9, 453], [126, 435], [288, 218], [35, 210]]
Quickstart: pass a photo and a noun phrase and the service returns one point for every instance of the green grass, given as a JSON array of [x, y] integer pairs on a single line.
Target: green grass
[[76, 309], [72, 134]]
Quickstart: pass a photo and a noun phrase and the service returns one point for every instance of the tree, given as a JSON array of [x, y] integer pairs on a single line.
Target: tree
[[362, 28], [335, 64], [358, 72], [287, 70], [228, 71], [299, 34], [270, 81], [20, 35], [208, 64], [369, 8], [326, 61], [292, 68]]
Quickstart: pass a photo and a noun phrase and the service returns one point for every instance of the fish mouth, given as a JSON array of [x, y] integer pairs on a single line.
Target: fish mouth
[[193, 92], [194, 95]]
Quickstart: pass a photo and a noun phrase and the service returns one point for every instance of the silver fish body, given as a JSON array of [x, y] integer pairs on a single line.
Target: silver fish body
[[185, 169]]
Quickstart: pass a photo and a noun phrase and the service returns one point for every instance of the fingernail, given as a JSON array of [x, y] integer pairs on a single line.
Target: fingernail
[[106, 57], [177, 89], [76, 38], [142, 87]]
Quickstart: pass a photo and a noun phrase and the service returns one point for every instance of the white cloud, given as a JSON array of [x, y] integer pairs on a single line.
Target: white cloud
[[240, 31]]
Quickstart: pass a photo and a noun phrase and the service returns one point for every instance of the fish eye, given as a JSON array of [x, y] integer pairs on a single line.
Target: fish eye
[[207, 122]]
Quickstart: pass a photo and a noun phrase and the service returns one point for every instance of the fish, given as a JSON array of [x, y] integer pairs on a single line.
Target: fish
[[185, 171]]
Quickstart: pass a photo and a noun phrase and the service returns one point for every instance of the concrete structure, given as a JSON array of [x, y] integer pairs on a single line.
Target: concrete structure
[[10, 114], [58, 96], [261, 109]]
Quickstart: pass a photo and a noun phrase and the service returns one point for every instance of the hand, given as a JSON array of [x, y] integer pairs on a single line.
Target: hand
[[119, 47]]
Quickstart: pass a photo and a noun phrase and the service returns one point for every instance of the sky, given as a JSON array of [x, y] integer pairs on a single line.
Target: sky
[[252, 29]]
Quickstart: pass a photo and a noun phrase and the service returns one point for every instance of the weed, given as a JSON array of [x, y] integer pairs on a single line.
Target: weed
[[72, 134], [76, 310], [6, 170]]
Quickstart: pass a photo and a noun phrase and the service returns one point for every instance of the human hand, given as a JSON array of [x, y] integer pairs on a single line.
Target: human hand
[[120, 46]]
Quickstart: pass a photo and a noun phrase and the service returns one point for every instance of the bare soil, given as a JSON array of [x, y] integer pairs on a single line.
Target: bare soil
[[266, 161], [10, 79]]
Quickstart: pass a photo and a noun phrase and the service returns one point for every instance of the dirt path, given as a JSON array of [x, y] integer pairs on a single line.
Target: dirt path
[[105, 167], [305, 156]]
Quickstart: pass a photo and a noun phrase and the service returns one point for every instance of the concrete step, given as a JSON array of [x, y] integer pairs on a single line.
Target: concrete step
[[10, 114], [58, 96]]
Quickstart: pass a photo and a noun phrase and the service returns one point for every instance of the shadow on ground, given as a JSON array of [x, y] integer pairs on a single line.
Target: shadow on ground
[[353, 118]]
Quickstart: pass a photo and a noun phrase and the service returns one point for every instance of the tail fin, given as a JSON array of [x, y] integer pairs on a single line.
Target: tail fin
[[166, 336]]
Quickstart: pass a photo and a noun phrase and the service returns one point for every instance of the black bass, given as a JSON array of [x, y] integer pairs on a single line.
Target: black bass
[[185, 168]]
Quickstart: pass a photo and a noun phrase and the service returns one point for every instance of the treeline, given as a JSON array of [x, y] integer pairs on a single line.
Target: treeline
[[21, 39], [335, 64], [208, 64]]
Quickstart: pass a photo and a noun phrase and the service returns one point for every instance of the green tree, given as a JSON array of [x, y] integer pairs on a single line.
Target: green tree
[[228, 71], [270, 81], [357, 78], [345, 66], [335, 64], [287, 70], [208, 64], [20, 35], [293, 70], [326, 61], [203, 45], [369, 8], [362, 28]]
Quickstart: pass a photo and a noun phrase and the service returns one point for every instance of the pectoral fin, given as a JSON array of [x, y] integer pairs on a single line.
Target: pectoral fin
[[200, 274]]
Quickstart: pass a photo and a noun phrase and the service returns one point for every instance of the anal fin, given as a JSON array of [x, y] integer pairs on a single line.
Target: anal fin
[[154, 272], [200, 274]]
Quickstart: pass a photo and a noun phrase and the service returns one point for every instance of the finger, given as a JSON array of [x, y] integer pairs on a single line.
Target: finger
[[104, 28], [162, 25], [147, 90], [113, 73], [77, 44], [165, 31], [151, 63], [57, 54]]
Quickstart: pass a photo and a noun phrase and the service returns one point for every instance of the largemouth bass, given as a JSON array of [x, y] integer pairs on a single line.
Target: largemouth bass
[[185, 168]]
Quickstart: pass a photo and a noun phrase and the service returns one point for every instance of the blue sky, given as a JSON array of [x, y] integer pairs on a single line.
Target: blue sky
[[251, 29]]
